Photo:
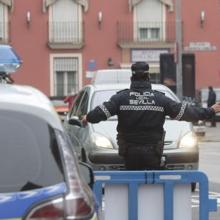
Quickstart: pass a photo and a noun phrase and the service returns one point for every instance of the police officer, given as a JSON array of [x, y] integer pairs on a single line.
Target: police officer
[[141, 115]]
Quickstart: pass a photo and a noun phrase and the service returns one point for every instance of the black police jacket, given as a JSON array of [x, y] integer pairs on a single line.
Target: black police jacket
[[141, 113]]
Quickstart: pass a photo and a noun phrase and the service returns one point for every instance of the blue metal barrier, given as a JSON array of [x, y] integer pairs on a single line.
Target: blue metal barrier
[[166, 178]]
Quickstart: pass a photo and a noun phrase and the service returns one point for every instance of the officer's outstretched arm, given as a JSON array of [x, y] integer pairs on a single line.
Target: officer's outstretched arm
[[193, 113], [186, 112]]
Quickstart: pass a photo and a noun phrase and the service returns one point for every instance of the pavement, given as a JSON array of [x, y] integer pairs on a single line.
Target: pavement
[[212, 133]]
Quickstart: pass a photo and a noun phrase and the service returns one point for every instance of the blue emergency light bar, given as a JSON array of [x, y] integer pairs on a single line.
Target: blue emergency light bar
[[9, 60]]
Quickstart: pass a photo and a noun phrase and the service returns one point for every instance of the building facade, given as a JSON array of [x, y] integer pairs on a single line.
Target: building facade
[[62, 42]]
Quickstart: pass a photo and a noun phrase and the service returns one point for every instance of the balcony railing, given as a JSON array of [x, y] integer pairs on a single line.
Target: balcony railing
[[66, 34], [145, 32]]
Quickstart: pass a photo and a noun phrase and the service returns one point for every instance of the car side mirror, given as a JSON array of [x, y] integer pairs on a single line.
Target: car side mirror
[[87, 173], [75, 121]]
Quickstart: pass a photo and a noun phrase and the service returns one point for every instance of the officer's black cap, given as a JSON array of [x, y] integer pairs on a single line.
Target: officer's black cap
[[139, 67]]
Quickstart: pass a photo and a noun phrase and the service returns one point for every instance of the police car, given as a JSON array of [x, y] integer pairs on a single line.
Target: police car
[[40, 177], [98, 144]]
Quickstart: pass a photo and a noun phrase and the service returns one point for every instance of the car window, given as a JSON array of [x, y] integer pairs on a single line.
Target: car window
[[76, 104], [74, 143], [29, 153], [102, 96], [82, 110]]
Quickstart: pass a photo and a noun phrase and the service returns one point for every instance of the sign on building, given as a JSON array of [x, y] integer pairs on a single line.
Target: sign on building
[[147, 55]]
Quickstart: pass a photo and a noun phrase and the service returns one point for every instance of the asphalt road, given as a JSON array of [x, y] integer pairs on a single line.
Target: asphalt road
[[209, 163]]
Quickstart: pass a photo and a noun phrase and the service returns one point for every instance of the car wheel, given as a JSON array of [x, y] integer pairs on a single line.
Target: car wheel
[[83, 156], [193, 187]]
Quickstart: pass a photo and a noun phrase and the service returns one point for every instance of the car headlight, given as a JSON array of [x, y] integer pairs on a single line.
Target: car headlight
[[188, 140], [101, 141]]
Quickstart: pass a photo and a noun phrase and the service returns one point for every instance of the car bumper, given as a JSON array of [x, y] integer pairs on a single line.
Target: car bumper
[[102, 160], [174, 159]]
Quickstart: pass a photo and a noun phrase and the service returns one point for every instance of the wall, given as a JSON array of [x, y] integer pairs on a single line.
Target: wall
[[207, 62], [30, 42], [101, 39]]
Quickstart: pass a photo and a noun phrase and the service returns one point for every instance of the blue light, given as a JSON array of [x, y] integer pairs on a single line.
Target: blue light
[[9, 60]]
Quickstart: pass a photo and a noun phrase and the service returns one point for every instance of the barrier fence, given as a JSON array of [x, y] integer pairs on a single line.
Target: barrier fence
[[153, 195]]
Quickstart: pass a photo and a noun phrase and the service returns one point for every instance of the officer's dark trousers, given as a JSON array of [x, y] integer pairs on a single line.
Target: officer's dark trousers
[[142, 158]]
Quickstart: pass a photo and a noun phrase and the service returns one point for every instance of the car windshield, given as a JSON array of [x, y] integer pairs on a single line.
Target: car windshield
[[104, 95], [29, 153]]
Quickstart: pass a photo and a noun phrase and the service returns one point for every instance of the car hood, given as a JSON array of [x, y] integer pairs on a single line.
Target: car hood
[[174, 131], [16, 205]]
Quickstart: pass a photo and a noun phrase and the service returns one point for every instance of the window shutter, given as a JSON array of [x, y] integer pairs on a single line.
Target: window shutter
[[149, 11], [65, 64], [65, 28], [70, 8]]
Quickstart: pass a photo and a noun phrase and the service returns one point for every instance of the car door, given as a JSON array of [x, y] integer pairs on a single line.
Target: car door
[[79, 109], [73, 130]]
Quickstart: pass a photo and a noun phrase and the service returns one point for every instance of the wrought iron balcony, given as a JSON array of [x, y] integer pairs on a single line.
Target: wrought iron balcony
[[66, 34], [145, 33]]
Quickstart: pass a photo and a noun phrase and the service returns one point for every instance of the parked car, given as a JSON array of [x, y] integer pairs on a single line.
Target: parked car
[[40, 175], [98, 145]]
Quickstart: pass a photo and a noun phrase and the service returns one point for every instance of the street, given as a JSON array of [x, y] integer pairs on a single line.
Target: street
[[210, 153], [209, 163]]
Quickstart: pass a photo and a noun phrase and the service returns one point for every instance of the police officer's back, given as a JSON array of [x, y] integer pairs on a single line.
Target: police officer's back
[[141, 115]]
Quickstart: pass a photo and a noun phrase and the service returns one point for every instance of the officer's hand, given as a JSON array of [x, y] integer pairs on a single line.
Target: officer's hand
[[84, 120], [216, 107]]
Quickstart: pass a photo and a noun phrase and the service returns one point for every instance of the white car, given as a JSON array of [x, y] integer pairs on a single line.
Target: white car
[[98, 145]]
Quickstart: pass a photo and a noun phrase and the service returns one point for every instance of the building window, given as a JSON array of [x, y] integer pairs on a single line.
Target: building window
[[65, 29], [65, 75], [3, 23], [148, 21], [147, 33]]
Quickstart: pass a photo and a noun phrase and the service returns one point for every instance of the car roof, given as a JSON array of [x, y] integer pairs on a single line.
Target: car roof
[[110, 86], [121, 86], [28, 100]]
